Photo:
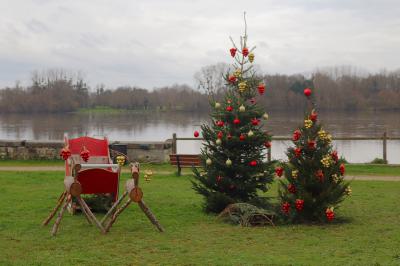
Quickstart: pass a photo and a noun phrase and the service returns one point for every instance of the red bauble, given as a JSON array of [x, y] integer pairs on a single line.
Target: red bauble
[[296, 135], [307, 92], [253, 163], [220, 123], [279, 171], [330, 215], [313, 116], [242, 137], [65, 153], [291, 188], [285, 207], [297, 152], [261, 88], [233, 51], [342, 169], [229, 136], [232, 79], [196, 134], [220, 135], [245, 51], [219, 178], [236, 121], [335, 156], [255, 121], [232, 187], [311, 144], [299, 204], [253, 100], [320, 175], [267, 144], [85, 154], [229, 108]]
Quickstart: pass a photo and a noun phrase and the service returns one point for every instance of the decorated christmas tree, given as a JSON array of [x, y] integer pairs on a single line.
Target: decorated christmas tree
[[313, 184], [233, 155]]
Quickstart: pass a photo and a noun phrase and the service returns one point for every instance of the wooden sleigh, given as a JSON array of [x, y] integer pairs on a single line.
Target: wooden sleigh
[[95, 174]]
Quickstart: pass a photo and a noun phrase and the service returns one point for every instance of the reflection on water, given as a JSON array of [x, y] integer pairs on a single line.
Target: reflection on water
[[160, 126]]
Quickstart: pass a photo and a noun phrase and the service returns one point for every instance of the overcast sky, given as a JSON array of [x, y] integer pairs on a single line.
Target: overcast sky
[[153, 43]]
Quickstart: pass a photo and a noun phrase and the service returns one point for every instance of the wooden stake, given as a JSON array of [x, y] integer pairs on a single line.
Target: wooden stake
[[60, 214], [90, 213], [116, 214], [85, 212], [110, 211], [53, 212], [150, 215]]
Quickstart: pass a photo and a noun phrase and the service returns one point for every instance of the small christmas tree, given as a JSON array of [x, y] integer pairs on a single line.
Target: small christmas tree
[[234, 169], [313, 184]]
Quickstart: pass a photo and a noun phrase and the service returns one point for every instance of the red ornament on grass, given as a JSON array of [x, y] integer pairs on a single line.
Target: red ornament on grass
[[261, 88], [233, 51], [279, 171], [253, 163], [236, 121], [299, 204], [85, 154], [285, 207], [229, 108], [296, 135], [291, 188], [245, 51], [330, 215], [342, 169], [307, 92], [196, 134], [65, 153]]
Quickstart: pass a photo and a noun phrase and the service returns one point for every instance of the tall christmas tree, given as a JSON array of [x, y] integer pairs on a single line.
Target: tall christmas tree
[[313, 184], [233, 155]]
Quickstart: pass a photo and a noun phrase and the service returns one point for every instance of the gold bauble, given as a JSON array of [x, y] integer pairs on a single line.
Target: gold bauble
[[242, 108], [217, 105], [250, 133], [218, 142], [228, 162], [251, 57], [265, 116], [208, 161]]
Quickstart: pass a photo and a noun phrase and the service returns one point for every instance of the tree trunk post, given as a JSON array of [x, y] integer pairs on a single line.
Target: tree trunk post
[[174, 143], [384, 144]]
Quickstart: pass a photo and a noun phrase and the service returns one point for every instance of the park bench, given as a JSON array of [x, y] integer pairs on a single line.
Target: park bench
[[184, 161]]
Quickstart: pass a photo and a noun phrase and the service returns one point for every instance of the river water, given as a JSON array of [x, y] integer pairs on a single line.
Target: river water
[[159, 126]]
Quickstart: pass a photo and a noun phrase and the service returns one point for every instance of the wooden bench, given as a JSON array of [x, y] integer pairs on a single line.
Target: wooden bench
[[184, 161]]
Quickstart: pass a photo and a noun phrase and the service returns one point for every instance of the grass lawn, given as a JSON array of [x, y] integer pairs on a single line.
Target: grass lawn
[[369, 234], [351, 169]]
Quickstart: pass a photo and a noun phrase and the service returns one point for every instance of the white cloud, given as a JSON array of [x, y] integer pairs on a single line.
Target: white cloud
[[155, 43]]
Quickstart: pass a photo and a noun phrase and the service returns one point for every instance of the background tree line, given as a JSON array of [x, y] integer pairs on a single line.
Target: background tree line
[[339, 88]]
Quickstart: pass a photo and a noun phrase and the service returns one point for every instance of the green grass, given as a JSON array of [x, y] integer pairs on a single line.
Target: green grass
[[369, 234], [373, 169], [351, 169]]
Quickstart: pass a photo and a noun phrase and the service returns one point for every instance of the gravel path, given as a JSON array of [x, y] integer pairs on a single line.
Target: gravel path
[[61, 168]]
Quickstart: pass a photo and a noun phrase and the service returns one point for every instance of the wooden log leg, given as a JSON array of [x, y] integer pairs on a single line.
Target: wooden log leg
[[150, 215], [91, 215], [116, 214], [110, 211], [53, 212], [179, 171], [88, 218], [60, 214]]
